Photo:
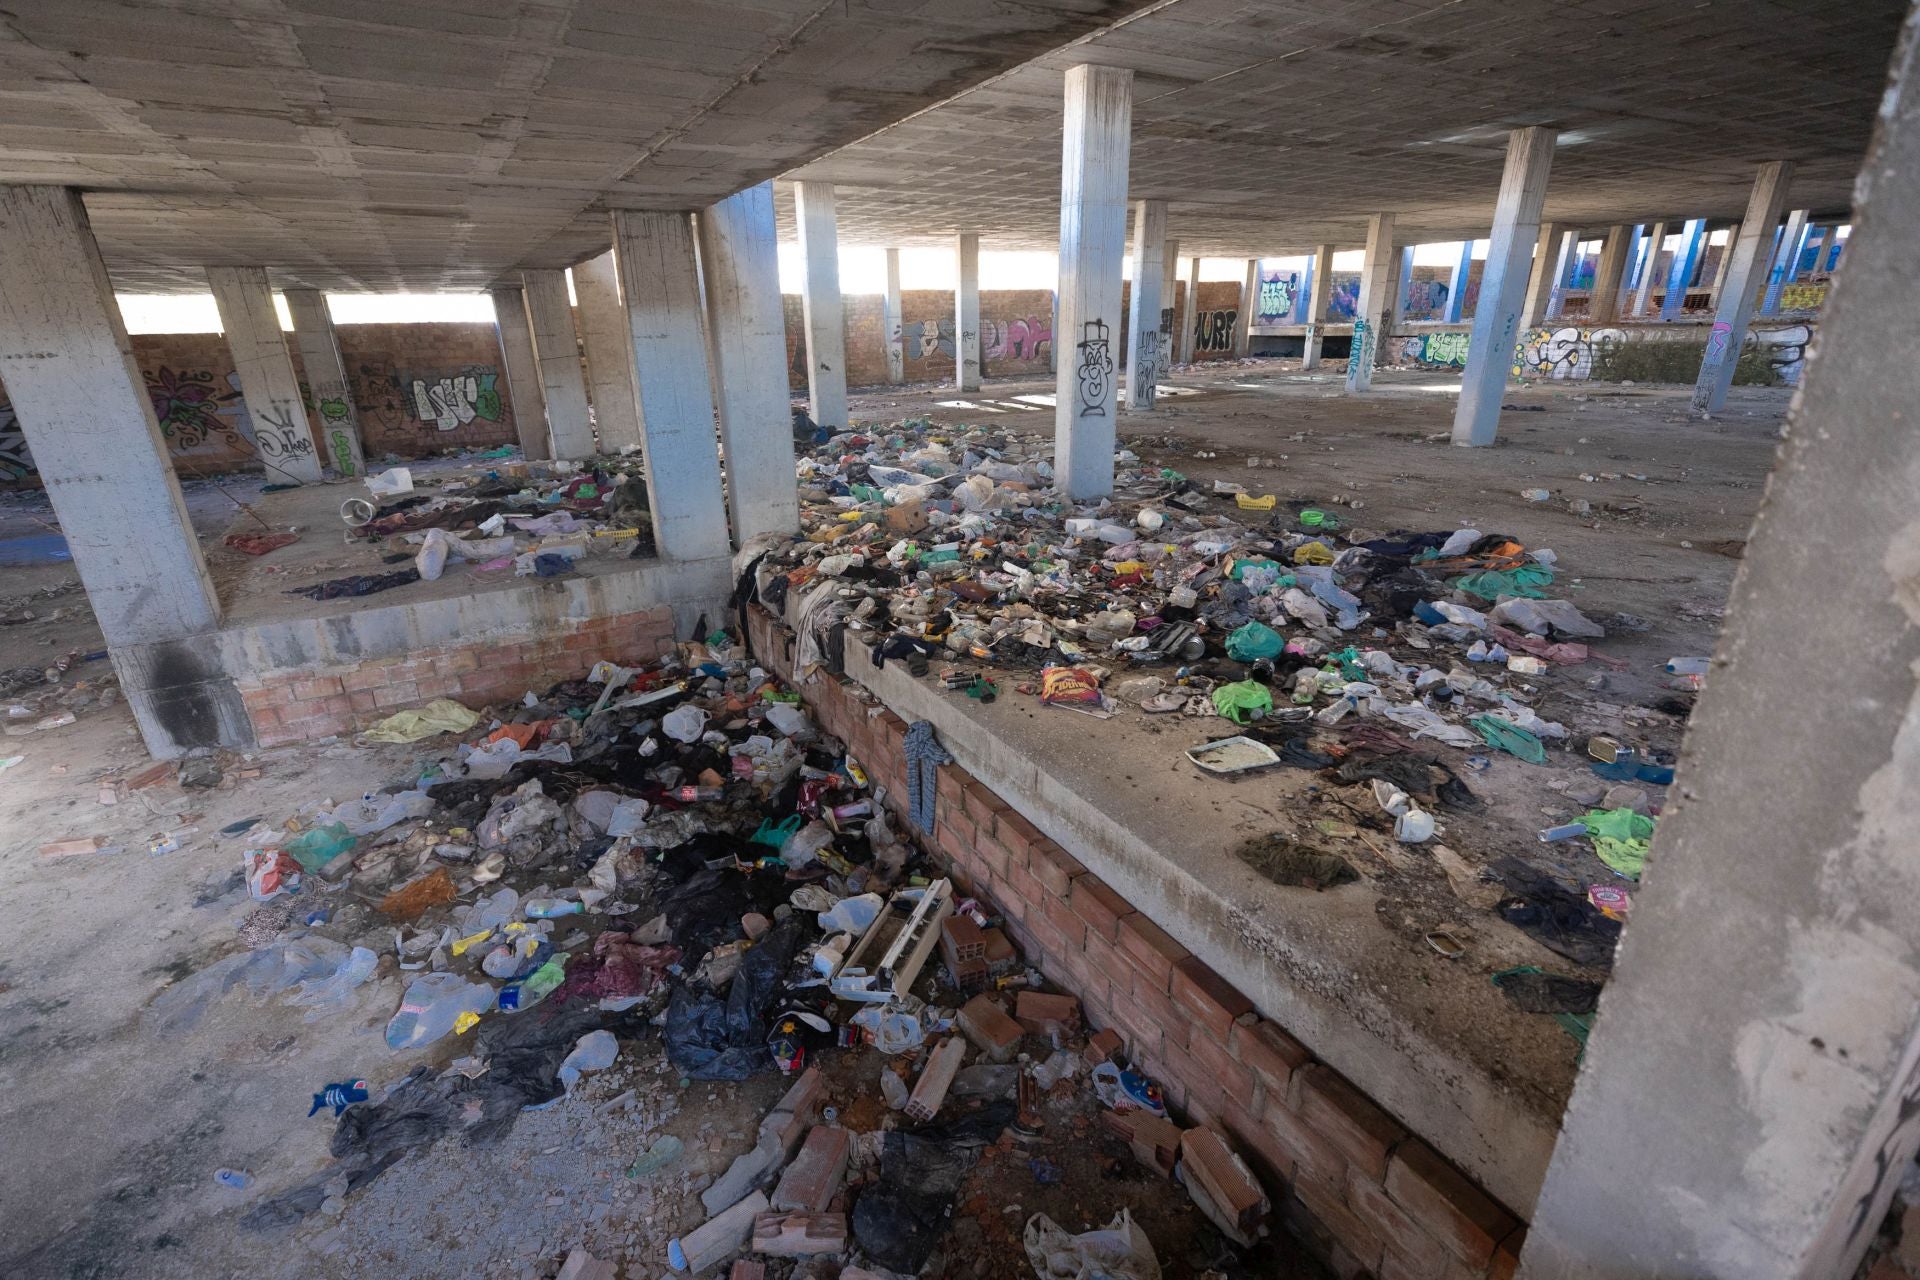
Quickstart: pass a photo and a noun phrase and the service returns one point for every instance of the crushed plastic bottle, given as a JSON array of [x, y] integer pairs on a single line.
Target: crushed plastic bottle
[[535, 987]]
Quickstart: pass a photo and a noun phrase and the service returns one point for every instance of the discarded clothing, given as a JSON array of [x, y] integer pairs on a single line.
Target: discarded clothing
[[924, 755], [258, 544], [1509, 737], [1493, 584], [1284, 862], [1559, 918], [364, 584], [442, 715], [1621, 837], [1534, 991]]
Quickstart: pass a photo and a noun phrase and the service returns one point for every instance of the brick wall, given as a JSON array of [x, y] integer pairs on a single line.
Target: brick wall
[[1365, 1195], [1016, 334], [318, 702], [1214, 320]]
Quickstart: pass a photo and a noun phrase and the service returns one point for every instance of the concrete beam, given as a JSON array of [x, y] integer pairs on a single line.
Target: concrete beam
[[1746, 258], [676, 393], [891, 324], [268, 382], [1143, 303], [1503, 284], [1766, 988], [1095, 137], [603, 331], [1649, 269], [1374, 303], [523, 370], [79, 398], [1680, 271], [1319, 295], [1603, 300], [332, 394], [1457, 284], [821, 304], [1249, 307], [747, 324], [966, 313], [556, 350]]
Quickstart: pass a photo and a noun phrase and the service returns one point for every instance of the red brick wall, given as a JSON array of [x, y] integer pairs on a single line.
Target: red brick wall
[[1016, 335], [1213, 323], [319, 702], [1365, 1195]]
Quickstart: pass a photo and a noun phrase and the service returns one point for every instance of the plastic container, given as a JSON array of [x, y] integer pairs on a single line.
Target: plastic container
[[1687, 666], [236, 1179], [535, 987], [552, 908], [434, 1002]]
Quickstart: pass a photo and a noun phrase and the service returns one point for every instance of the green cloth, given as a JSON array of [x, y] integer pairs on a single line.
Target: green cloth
[[1234, 701], [1254, 641], [1621, 837], [1491, 584], [1508, 737], [439, 716]]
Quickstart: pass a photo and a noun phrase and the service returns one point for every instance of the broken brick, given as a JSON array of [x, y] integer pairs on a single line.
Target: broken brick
[[799, 1235], [1047, 1015], [987, 1025], [817, 1173]]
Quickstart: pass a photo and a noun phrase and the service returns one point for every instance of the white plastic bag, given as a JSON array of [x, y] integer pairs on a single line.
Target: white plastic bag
[[684, 723], [1118, 1251]]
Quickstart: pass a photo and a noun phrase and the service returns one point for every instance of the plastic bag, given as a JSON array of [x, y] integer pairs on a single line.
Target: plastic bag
[[315, 847], [432, 559], [711, 1039], [373, 814], [270, 873], [685, 723], [1118, 1251], [1253, 642], [1238, 700], [852, 915], [595, 1052], [1509, 738], [788, 719]]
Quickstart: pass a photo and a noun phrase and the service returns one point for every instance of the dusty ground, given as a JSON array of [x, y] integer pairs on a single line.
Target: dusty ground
[[126, 1127]]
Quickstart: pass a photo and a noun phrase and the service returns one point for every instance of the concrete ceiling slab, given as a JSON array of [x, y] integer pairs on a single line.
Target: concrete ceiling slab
[[1273, 126], [440, 144]]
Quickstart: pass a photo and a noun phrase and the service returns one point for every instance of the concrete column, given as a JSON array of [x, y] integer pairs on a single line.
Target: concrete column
[[676, 391], [556, 350], [603, 331], [1566, 266], [1249, 307], [1649, 268], [1747, 256], [1503, 284], [1143, 303], [1169, 289], [268, 383], [1786, 255], [1630, 277], [740, 263], [1095, 136], [1603, 300], [1720, 268], [820, 301], [1798, 249], [522, 369], [1400, 289], [1834, 250], [1457, 284], [1185, 327], [1541, 277], [966, 313], [891, 324], [1374, 303], [1750, 1098], [1319, 294], [1302, 296], [83, 406], [1680, 270], [1820, 240], [1053, 343], [327, 384]]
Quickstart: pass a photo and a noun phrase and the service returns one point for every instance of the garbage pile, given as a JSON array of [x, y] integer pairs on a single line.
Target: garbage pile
[[501, 519], [676, 851], [1398, 662]]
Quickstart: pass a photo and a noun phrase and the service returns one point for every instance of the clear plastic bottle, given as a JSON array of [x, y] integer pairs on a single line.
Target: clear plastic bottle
[[552, 908], [535, 987]]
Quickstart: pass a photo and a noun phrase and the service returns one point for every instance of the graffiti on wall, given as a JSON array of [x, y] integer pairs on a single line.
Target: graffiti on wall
[[928, 338], [1802, 297], [194, 410], [1278, 292], [16, 463], [1440, 349], [452, 401], [1094, 369], [1213, 331], [1021, 338], [1344, 300], [1427, 297], [1563, 353], [1786, 350]]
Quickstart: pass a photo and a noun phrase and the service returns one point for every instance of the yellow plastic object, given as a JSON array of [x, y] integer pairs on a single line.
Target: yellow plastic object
[[1247, 502], [1130, 566], [1312, 553], [464, 1023], [462, 945]]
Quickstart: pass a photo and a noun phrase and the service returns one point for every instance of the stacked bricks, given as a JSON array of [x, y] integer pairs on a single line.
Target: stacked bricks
[[1366, 1196], [294, 706]]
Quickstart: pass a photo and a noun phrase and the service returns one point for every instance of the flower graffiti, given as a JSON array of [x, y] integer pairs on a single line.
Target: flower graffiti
[[188, 406]]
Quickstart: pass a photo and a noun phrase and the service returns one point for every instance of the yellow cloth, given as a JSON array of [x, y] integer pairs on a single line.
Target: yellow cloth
[[1312, 553], [439, 716]]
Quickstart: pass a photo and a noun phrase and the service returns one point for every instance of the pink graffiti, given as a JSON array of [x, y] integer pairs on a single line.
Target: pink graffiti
[[1022, 338]]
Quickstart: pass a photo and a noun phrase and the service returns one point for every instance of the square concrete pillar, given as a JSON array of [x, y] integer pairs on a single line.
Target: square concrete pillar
[[1649, 270], [556, 349], [603, 331], [1749, 1102], [268, 383], [79, 398], [1303, 293], [747, 326], [1542, 276], [1249, 307], [522, 369], [1457, 284], [1503, 284], [891, 325], [1184, 328], [1371, 308], [1319, 295], [966, 313], [1143, 303], [1399, 291], [1786, 258], [1746, 268], [1680, 271], [1603, 300], [327, 385], [1566, 267], [1169, 293], [1095, 138], [820, 302], [676, 393]]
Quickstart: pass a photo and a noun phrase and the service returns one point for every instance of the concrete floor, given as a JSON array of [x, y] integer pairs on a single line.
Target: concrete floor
[[128, 1126]]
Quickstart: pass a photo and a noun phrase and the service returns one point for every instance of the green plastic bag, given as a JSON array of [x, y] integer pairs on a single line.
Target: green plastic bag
[[315, 847], [1491, 584], [1509, 737], [1254, 641], [1239, 700], [1621, 837]]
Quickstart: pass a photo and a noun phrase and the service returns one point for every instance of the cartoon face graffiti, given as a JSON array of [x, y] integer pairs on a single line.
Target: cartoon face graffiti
[[1095, 368]]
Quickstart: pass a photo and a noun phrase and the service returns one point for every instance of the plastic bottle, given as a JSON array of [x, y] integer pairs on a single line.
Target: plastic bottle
[[535, 987], [1687, 666], [552, 908], [689, 795], [237, 1179], [432, 1005]]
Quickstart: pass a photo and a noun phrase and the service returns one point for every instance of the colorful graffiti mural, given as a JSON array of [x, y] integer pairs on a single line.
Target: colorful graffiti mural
[[1213, 331], [1563, 353], [451, 401], [1802, 297], [194, 410], [1279, 290], [1439, 349], [1021, 338], [1427, 297], [16, 462]]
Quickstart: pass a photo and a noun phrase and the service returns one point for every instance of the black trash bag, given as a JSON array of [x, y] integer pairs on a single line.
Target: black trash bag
[[1555, 916], [899, 1220], [711, 1039]]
